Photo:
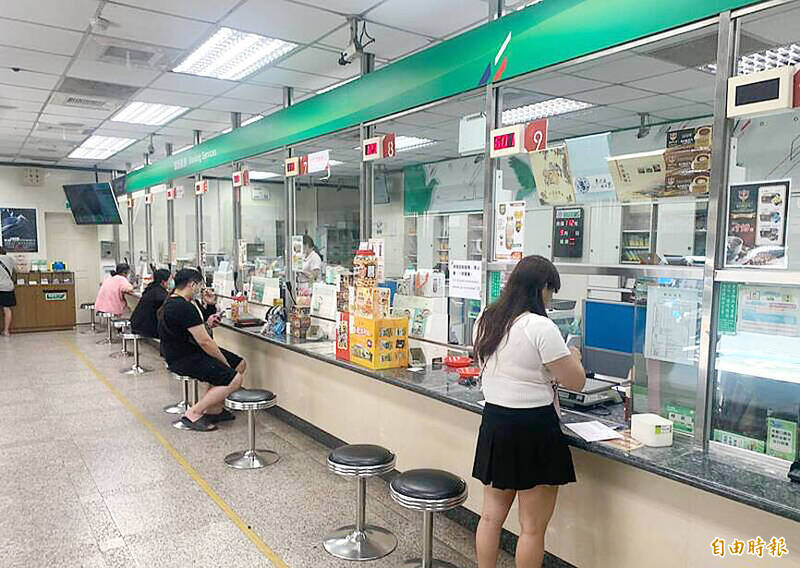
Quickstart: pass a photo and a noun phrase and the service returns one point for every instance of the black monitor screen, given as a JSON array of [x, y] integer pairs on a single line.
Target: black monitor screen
[[93, 204]]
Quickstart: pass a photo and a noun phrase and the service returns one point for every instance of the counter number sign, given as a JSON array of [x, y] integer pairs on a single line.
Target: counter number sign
[[201, 187], [388, 149], [536, 135]]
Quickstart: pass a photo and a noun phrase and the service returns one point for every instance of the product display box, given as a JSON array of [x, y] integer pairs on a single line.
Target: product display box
[[373, 302], [379, 343], [343, 336]]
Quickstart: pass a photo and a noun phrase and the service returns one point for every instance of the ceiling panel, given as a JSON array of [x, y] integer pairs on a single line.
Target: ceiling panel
[[23, 93], [236, 105], [73, 14], [319, 61], [776, 26], [345, 6], [71, 121], [198, 10], [151, 27], [127, 130], [28, 79], [438, 19], [171, 98], [258, 93], [19, 104], [205, 127], [677, 81], [17, 122], [700, 95], [43, 38], [688, 111], [653, 104], [14, 114], [622, 68], [207, 115], [32, 60], [67, 111], [275, 76], [559, 84], [110, 73], [389, 43], [612, 94], [284, 20], [192, 84]]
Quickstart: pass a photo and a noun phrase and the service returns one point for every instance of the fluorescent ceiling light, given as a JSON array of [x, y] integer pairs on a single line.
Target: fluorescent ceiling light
[[100, 147], [337, 85], [403, 143], [253, 119], [335, 163], [232, 55], [550, 107], [152, 114], [179, 150], [780, 56], [256, 175]]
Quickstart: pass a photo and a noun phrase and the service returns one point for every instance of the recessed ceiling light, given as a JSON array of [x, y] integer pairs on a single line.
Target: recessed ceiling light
[[152, 114], [403, 143], [179, 150], [256, 175], [100, 147], [232, 55], [780, 56], [551, 107], [253, 119]]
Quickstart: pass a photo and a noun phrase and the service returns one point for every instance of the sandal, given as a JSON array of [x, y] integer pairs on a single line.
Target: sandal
[[223, 416], [201, 425]]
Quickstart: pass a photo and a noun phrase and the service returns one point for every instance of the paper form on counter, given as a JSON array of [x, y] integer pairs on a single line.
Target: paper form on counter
[[593, 431]]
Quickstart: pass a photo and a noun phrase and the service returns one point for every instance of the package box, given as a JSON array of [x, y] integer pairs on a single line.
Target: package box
[[343, 336], [379, 343], [373, 302]]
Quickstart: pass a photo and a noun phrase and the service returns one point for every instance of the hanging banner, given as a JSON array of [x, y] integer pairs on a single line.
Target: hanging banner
[[465, 279], [756, 224], [638, 177], [510, 230], [319, 161], [297, 252], [589, 164], [552, 174]]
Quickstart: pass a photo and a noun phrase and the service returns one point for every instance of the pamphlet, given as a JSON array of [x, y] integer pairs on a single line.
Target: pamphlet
[[593, 431], [297, 252], [510, 230], [672, 327], [553, 178], [769, 310], [756, 224]]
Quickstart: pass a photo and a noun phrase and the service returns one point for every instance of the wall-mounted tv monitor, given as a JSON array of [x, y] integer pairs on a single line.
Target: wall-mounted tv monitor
[[118, 185], [93, 204]]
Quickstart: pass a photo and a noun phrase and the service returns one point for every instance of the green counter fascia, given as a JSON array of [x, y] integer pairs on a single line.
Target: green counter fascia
[[541, 35]]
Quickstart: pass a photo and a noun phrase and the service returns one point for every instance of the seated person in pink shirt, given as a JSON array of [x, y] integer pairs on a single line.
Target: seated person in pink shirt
[[111, 297]]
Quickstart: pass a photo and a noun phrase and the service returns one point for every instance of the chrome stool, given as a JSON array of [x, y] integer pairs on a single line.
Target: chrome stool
[[429, 491], [250, 401], [90, 307], [121, 325], [136, 369], [360, 541], [109, 328], [190, 384], [186, 401]]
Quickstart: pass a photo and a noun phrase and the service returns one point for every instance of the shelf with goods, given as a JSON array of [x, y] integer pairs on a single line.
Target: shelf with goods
[[410, 242], [638, 233], [475, 236], [700, 228]]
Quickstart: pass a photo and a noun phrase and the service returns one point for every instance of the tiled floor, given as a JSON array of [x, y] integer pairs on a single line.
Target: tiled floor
[[85, 482]]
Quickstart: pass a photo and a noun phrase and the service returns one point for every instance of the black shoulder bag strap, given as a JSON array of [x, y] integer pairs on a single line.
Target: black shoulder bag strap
[[3, 264]]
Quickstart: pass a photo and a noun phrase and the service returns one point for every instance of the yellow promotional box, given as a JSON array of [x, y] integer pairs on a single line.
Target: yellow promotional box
[[379, 343]]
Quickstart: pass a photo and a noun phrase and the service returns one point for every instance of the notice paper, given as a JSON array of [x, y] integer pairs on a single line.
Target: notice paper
[[594, 431]]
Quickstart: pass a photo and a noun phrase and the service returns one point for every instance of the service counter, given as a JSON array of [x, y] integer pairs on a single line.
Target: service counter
[[45, 302], [662, 507]]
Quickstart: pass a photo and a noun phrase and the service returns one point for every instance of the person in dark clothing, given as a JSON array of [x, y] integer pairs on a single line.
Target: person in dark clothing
[[188, 348], [144, 319]]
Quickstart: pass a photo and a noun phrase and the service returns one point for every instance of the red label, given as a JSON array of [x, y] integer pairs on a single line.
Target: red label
[[371, 149], [388, 143], [290, 166], [245, 177], [536, 135], [303, 165], [504, 141], [171, 191]]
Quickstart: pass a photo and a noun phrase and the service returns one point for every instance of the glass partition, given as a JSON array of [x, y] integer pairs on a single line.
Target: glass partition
[[186, 253], [428, 208], [158, 212]]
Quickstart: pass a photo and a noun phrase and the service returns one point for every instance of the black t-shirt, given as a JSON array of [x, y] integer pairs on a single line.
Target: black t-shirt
[[144, 319], [177, 316]]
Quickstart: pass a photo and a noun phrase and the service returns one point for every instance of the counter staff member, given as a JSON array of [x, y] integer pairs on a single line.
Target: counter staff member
[[144, 319], [111, 297], [521, 451], [312, 263], [8, 298], [189, 349]]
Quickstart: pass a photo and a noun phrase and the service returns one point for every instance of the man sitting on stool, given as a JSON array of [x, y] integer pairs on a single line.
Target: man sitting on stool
[[189, 350]]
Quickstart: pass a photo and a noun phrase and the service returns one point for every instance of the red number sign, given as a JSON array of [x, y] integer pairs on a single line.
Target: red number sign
[[303, 165], [388, 150], [536, 135], [504, 141]]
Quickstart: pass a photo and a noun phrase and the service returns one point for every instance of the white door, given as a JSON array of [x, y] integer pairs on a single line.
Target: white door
[[79, 248]]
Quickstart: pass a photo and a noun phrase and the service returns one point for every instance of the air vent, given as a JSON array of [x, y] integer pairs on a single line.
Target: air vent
[[78, 101], [124, 54], [25, 158]]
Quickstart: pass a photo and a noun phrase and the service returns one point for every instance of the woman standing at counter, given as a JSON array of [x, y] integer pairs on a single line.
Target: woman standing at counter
[[521, 451], [111, 297], [7, 297], [312, 263]]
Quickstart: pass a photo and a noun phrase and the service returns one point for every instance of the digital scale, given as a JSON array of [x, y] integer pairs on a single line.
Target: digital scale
[[594, 392]]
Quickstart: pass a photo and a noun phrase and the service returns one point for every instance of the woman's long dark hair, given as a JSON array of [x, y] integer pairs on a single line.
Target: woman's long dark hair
[[159, 277], [522, 294], [309, 242]]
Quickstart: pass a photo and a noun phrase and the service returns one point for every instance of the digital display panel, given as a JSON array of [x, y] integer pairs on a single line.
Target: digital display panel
[[504, 141], [93, 204]]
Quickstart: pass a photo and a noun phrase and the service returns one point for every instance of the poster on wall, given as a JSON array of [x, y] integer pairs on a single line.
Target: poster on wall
[[756, 224], [19, 233], [589, 163], [465, 279], [297, 252], [552, 174], [510, 230]]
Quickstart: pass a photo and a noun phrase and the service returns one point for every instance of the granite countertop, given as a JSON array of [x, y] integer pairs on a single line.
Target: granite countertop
[[735, 478]]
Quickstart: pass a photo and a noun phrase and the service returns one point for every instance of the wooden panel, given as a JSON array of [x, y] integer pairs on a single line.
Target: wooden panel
[[34, 312]]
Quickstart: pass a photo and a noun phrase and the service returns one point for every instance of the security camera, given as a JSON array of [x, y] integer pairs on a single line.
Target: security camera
[[16, 69], [349, 54]]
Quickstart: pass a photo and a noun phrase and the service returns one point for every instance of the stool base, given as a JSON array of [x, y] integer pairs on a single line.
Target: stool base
[[251, 459], [135, 370], [417, 563], [121, 355], [177, 408], [370, 544]]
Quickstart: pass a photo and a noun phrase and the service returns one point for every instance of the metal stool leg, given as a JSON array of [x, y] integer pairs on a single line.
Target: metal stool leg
[[183, 405], [427, 560], [108, 339], [251, 458], [94, 322], [136, 369], [123, 352], [360, 541], [186, 388]]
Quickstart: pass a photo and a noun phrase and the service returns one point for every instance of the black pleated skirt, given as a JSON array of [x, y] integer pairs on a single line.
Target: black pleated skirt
[[520, 448]]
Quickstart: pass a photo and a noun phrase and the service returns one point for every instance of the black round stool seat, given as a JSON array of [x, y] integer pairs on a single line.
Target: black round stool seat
[[361, 455], [428, 489], [87, 306], [251, 395]]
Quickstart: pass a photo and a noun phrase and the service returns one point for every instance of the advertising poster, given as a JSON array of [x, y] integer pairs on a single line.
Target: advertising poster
[[769, 310], [465, 279], [510, 230], [19, 232], [638, 177], [688, 161], [297, 252], [552, 174], [756, 224], [589, 163]]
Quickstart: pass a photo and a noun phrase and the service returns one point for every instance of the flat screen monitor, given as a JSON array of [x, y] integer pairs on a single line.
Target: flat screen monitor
[[93, 204], [118, 185]]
